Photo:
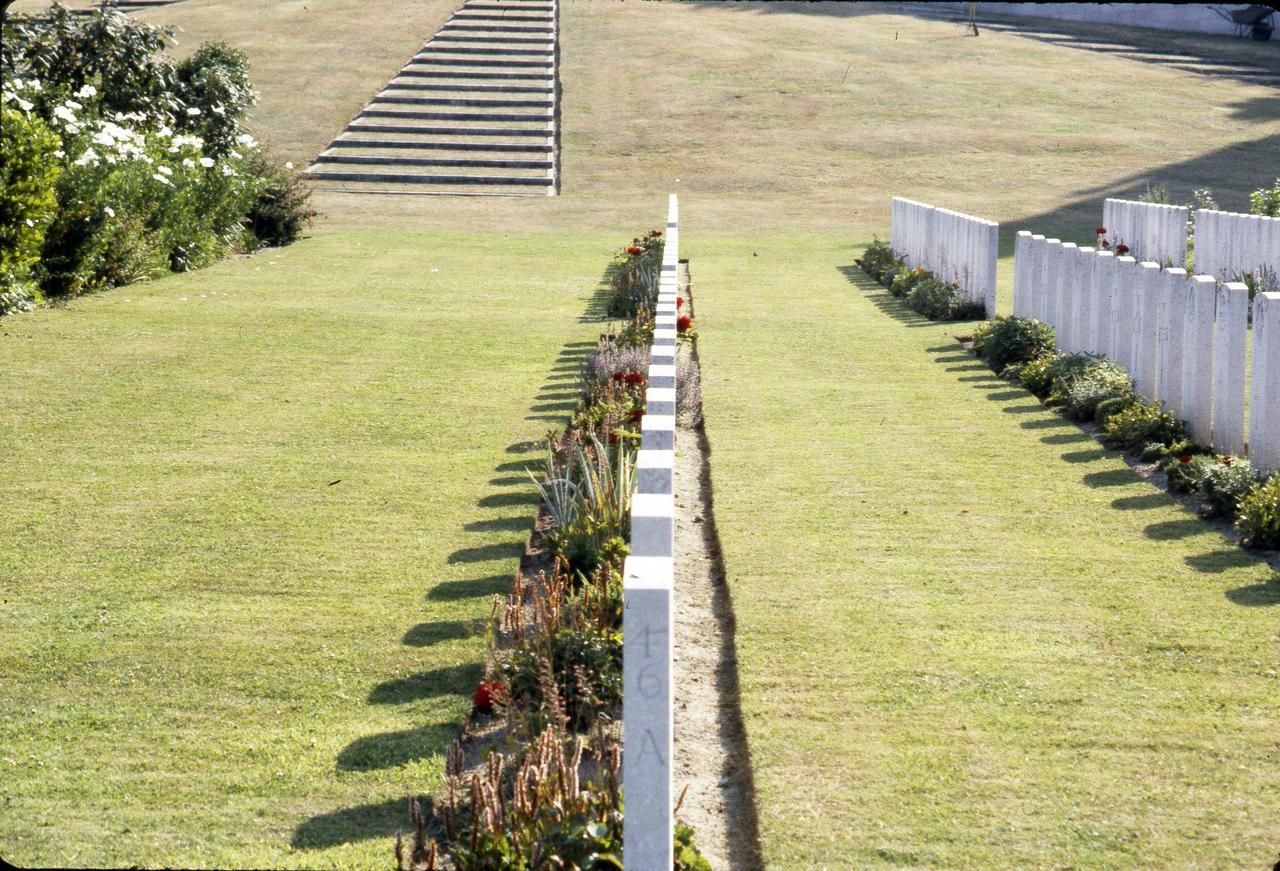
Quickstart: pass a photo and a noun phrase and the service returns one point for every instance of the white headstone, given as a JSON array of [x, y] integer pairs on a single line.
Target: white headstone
[[1264, 402], [1173, 316], [1147, 328], [1230, 341], [1197, 358]]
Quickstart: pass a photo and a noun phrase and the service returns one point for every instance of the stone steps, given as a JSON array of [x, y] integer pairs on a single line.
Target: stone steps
[[473, 112]]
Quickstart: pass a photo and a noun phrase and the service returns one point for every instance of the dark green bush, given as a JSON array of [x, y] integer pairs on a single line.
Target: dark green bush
[[214, 81], [1184, 471], [28, 200], [1258, 521], [940, 301], [1225, 483], [1082, 382], [1013, 340], [282, 209], [904, 281], [1108, 407], [1037, 375], [1140, 424], [877, 259]]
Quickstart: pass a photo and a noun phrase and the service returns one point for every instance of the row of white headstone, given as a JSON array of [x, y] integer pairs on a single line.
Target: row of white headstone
[[1150, 231], [648, 578], [1184, 339], [953, 246], [1227, 244]]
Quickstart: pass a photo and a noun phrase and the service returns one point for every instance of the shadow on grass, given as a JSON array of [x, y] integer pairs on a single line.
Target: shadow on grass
[[451, 591], [1170, 530], [1257, 595], [486, 552], [376, 820], [427, 634], [1145, 502], [432, 684], [500, 524], [393, 749]]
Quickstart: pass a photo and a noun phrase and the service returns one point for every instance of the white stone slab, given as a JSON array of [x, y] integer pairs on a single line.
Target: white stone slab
[[1197, 358], [1264, 399], [1147, 328], [1173, 315]]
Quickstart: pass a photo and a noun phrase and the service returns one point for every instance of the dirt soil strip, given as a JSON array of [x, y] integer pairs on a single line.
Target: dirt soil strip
[[711, 755]]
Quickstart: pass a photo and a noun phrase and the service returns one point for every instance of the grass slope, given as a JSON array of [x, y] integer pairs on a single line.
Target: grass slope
[[968, 636], [251, 516]]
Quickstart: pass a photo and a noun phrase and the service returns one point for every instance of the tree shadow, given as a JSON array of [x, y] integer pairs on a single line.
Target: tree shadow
[[382, 819], [444, 681]]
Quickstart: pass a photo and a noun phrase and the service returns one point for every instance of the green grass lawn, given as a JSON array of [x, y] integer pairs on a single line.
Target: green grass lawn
[[250, 518], [969, 637], [214, 656]]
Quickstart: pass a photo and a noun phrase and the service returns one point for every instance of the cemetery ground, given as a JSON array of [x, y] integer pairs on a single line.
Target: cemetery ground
[[967, 635]]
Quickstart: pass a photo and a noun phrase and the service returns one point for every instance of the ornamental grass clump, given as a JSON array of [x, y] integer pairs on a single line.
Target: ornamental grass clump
[[1258, 520]]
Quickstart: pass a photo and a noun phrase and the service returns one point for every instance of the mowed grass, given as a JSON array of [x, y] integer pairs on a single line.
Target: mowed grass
[[191, 604], [251, 517], [968, 636]]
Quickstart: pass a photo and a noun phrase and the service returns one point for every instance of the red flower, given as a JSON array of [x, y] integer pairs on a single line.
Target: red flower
[[1106, 244], [636, 414], [613, 438], [1122, 248], [635, 249], [1226, 461], [683, 323], [1100, 230], [655, 232], [618, 376], [1185, 458], [487, 693], [679, 302], [633, 378]]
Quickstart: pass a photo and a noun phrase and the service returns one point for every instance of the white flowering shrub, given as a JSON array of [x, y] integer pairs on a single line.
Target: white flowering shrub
[[132, 186]]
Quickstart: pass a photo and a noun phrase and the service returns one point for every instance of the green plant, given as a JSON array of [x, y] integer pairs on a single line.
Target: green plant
[[281, 209], [1082, 381], [1037, 375], [878, 258], [1184, 470], [1155, 193], [1003, 341], [583, 664], [589, 497], [1266, 201], [1139, 424], [942, 301], [902, 281], [1112, 406], [1225, 482], [1258, 518], [214, 82], [29, 172]]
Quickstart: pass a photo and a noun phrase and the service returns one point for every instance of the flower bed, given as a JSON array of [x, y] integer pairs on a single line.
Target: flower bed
[[553, 686], [923, 291], [119, 164], [1092, 388]]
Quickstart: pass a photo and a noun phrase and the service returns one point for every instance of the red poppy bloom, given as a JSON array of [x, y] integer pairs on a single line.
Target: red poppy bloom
[[1185, 458], [1106, 244], [487, 693], [635, 249], [1122, 248], [633, 378], [679, 302], [1100, 230], [683, 323], [1226, 461], [636, 414], [618, 376]]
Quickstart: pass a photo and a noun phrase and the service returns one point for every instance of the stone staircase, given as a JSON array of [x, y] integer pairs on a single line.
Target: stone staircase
[[474, 112]]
